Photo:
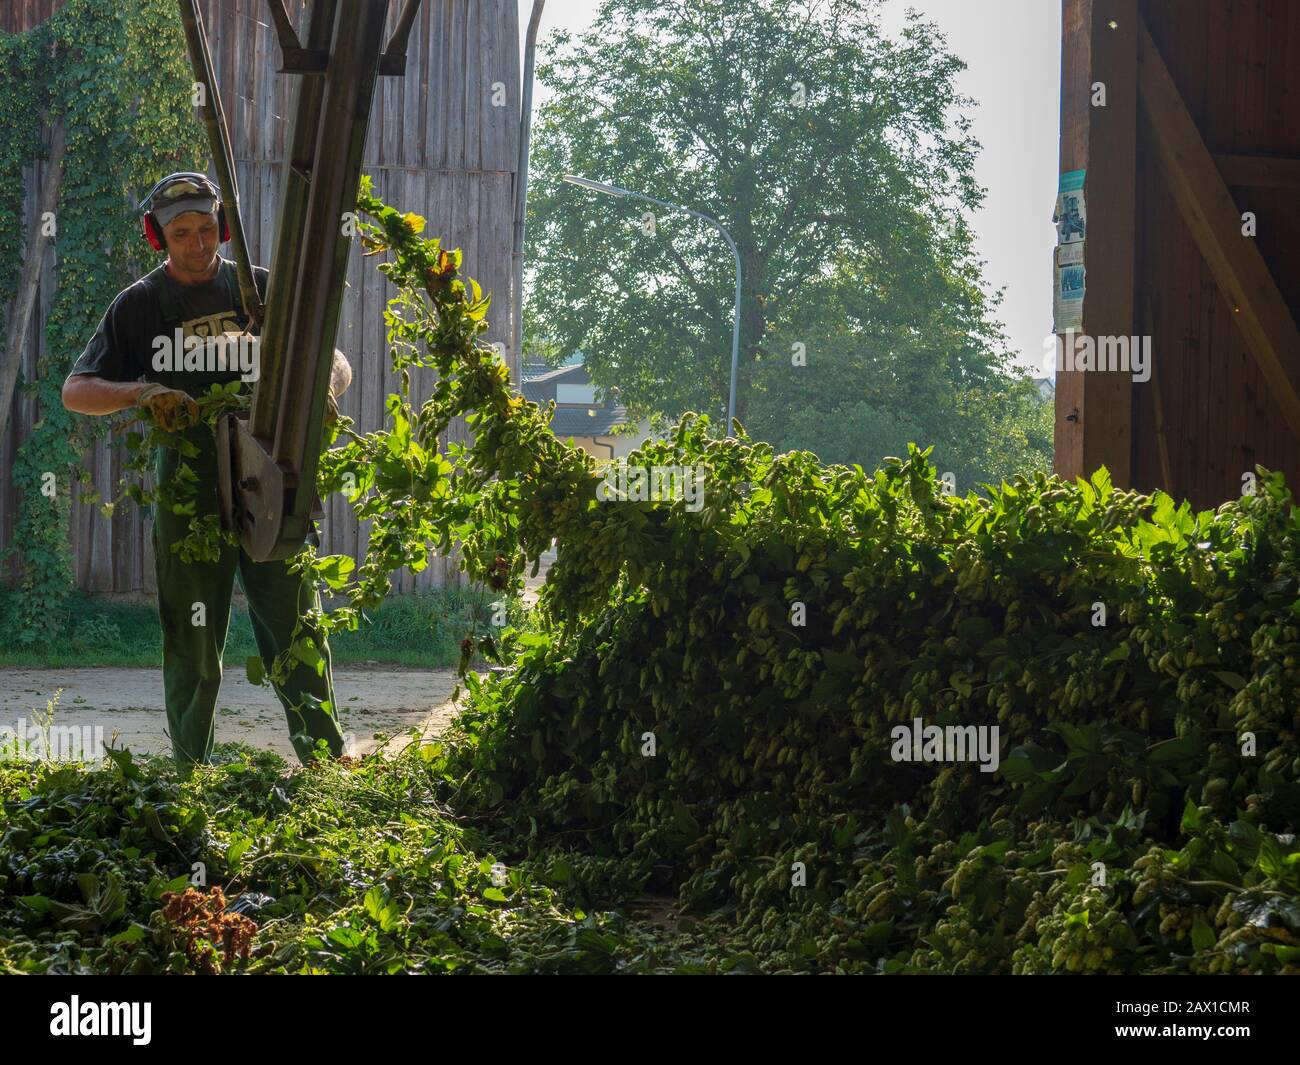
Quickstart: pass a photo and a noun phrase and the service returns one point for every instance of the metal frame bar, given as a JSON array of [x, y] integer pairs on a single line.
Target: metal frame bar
[[268, 459], [214, 119]]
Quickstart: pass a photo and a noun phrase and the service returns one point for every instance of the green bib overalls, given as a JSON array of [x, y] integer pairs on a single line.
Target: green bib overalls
[[194, 605]]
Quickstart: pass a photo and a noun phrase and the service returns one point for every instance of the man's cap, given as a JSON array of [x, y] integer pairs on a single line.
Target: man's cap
[[178, 193]]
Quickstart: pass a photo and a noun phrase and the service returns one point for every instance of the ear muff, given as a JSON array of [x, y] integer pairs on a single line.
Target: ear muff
[[153, 233]]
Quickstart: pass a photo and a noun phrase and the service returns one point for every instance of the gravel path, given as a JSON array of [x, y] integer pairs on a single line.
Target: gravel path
[[129, 702]]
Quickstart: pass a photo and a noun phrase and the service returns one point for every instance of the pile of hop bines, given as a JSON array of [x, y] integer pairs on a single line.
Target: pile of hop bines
[[712, 706], [1138, 661]]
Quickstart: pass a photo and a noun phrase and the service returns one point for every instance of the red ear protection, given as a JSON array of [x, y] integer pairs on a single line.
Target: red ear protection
[[153, 231], [153, 234]]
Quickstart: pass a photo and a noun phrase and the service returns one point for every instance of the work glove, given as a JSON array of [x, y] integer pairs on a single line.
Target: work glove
[[170, 408], [331, 409]]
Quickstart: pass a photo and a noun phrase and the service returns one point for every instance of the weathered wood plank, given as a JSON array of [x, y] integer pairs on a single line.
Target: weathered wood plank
[[439, 88], [394, 93], [413, 92], [479, 109], [21, 307], [505, 32], [463, 74], [101, 559], [340, 532], [235, 98]]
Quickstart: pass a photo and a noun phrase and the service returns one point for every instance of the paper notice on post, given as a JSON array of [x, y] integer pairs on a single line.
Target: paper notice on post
[[1067, 304], [1071, 215]]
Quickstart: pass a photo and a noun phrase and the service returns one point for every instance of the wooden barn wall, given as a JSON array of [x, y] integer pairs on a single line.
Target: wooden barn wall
[[437, 146], [19, 15], [1237, 66]]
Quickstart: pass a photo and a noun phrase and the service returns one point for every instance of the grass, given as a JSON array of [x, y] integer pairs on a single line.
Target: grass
[[420, 631]]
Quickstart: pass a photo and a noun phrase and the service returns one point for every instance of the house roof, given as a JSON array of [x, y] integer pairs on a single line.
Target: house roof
[[571, 421], [568, 420], [534, 366], [551, 375]]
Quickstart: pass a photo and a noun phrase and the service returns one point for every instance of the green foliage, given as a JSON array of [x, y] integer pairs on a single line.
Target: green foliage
[[178, 492], [417, 499], [841, 162], [344, 868], [1119, 740], [117, 76], [420, 630], [871, 386], [774, 735]]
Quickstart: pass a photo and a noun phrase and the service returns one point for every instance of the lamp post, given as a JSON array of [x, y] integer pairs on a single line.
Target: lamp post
[[614, 190]]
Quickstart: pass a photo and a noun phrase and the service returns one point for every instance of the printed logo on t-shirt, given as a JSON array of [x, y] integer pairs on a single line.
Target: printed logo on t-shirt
[[211, 325], [210, 344]]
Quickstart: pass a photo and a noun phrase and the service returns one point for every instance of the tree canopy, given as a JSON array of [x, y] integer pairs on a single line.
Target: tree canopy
[[840, 161]]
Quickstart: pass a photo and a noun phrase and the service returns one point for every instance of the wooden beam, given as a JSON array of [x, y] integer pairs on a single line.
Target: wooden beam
[[1215, 223], [1258, 171], [1094, 411], [20, 313]]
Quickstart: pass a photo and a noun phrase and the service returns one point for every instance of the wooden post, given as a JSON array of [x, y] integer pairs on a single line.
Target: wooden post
[[1094, 409]]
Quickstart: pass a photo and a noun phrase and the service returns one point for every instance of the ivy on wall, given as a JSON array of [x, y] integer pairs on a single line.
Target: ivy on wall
[[117, 72], [24, 64]]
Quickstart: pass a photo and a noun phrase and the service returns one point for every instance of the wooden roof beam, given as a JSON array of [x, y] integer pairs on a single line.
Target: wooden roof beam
[[1215, 223], [1258, 171]]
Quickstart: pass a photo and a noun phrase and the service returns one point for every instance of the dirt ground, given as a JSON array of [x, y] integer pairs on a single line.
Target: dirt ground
[[128, 704]]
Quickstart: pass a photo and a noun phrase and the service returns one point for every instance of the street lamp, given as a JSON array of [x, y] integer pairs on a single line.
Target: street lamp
[[614, 190]]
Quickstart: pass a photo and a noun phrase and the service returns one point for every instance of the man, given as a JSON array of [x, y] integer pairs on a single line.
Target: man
[[126, 364]]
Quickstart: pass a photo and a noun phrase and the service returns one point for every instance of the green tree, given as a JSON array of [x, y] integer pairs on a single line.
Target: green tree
[[871, 382], [840, 161]]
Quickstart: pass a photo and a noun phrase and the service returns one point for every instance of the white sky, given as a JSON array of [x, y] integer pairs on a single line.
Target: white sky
[[1012, 49]]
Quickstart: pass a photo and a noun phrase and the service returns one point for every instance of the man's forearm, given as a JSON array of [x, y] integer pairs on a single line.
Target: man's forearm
[[87, 394]]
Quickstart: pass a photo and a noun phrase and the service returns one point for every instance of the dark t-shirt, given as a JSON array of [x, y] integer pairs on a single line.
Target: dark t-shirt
[[128, 345], [136, 340]]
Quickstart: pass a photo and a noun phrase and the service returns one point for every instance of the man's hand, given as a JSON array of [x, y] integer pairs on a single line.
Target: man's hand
[[170, 408], [331, 408]]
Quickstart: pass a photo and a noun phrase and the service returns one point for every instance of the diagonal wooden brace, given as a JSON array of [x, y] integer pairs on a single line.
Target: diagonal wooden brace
[[1214, 220]]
